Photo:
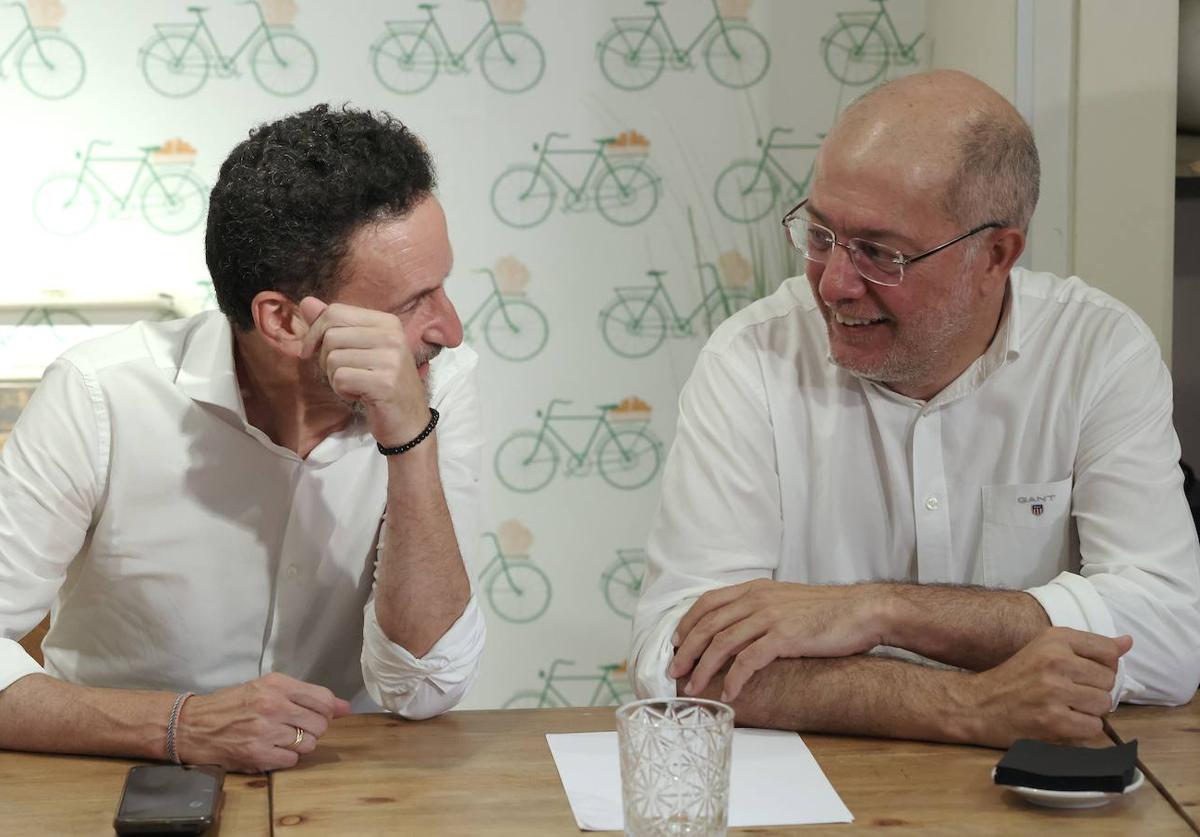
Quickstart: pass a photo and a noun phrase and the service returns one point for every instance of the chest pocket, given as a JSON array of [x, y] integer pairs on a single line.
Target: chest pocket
[[1026, 533]]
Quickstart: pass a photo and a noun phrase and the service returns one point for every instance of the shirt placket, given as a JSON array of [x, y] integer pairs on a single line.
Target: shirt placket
[[931, 505]]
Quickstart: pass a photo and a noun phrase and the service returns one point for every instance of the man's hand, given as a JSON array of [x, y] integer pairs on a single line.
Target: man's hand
[[1056, 688], [366, 357], [250, 728], [760, 621]]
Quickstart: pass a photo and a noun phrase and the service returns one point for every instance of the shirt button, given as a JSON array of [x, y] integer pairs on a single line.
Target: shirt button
[[292, 571], [933, 504]]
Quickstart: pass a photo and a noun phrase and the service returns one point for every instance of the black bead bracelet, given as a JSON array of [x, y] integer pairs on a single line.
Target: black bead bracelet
[[421, 437]]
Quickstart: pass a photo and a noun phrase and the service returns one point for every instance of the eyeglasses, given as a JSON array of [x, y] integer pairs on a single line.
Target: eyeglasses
[[874, 262]]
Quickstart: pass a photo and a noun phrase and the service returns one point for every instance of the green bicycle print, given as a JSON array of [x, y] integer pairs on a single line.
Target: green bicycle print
[[48, 64], [746, 190], [622, 581], [176, 62], [513, 327], [633, 55], [48, 316], [612, 688], [172, 202], [516, 589], [407, 57], [625, 191], [858, 49], [627, 455], [635, 323]]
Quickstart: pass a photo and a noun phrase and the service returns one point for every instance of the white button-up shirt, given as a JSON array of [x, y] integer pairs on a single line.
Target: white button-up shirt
[[1050, 465], [183, 550]]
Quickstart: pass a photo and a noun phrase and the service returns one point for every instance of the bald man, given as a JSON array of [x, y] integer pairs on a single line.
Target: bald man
[[920, 492]]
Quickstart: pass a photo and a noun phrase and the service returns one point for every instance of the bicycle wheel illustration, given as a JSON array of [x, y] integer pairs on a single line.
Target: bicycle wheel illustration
[[51, 67], [516, 330], [720, 307], [628, 459], [64, 205], [855, 53], [515, 65], [627, 194], [522, 196], [623, 585], [174, 203], [738, 56], [630, 58], [526, 462], [175, 65], [746, 191], [284, 64], [404, 62], [631, 328], [532, 699], [519, 592]]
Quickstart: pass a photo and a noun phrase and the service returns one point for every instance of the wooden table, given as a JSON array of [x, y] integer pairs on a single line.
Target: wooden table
[[491, 773], [473, 773], [1169, 750], [77, 796]]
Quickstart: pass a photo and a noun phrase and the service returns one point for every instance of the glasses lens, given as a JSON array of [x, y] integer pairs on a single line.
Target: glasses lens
[[877, 262], [813, 240]]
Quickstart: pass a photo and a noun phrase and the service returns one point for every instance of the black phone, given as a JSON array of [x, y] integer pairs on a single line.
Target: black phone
[[170, 799]]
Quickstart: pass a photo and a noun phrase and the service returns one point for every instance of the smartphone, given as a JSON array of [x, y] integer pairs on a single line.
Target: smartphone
[[170, 799]]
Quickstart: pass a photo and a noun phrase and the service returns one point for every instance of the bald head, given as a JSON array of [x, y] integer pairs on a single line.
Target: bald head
[[947, 133]]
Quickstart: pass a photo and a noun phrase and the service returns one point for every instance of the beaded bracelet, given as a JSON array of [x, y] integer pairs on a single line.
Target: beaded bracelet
[[421, 437], [173, 723]]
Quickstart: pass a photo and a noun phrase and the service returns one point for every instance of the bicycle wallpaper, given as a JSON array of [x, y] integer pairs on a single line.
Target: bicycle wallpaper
[[613, 172]]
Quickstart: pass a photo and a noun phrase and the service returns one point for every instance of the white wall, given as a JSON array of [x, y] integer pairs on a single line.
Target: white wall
[[1118, 209]]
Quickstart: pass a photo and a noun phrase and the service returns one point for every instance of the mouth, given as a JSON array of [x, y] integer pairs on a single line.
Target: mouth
[[851, 323]]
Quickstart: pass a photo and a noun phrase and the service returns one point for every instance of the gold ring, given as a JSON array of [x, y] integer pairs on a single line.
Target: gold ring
[[299, 738]]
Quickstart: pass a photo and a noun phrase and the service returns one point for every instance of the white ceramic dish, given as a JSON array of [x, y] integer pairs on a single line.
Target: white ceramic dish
[[1073, 799]]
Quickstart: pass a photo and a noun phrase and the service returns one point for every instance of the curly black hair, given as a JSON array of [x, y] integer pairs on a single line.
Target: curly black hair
[[290, 196]]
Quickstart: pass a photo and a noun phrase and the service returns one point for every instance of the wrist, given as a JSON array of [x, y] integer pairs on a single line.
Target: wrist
[[890, 614], [958, 718], [407, 433]]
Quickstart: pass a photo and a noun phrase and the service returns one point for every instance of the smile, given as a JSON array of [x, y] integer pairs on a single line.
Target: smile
[[846, 320]]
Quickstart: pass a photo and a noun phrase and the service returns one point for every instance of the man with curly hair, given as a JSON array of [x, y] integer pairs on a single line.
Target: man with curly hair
[[246, 521]]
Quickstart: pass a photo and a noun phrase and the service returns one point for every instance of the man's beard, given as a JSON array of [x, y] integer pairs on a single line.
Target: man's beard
[[924, 346]]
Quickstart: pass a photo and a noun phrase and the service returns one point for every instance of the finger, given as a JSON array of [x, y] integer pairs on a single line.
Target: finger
[[1090, 701], [316, 333], [286, 739], [360, 337], [369, 359], [311, 308], [724, 646], [360, 384], [1080, 728], [341, 708], [698, 639], [711, 600], [1102, 649], [313, 723], [755, 657], [280, 758], [317, 698], [1087, 672]]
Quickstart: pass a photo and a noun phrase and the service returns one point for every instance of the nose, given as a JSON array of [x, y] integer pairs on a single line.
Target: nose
[[444, 327], [840, 279]]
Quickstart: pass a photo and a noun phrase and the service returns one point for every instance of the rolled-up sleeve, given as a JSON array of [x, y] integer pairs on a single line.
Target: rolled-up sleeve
[[50, 479], [1139, 557], [719, 519], [427, 686]]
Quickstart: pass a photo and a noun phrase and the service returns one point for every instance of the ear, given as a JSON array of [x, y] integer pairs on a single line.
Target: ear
[[1003, 250], [279, 322]]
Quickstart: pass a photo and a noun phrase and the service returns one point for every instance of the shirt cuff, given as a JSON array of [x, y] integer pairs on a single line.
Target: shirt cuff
[[421, 688], [1070, 601], [650, 678], [15, 663]]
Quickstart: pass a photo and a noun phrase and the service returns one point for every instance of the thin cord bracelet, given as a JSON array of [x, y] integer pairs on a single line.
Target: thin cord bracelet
[[173, 723], [421, 437]]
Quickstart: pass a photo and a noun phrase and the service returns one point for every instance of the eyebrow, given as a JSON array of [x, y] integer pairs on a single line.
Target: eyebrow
[[870, 233]]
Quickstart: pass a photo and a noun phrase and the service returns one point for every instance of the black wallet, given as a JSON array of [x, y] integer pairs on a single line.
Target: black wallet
[[1038, 764]]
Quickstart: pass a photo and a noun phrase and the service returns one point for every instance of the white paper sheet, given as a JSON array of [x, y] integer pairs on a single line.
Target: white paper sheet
[[774, 780]]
